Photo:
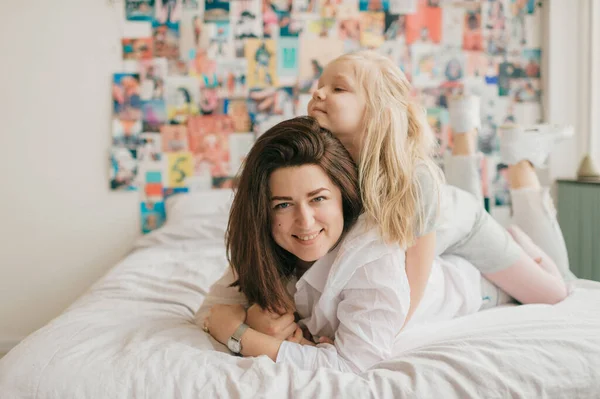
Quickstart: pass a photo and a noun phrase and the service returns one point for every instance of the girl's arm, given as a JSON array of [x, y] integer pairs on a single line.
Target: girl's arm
[[419, 259]]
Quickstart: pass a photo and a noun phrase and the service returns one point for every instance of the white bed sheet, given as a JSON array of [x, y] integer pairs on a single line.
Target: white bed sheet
[[132, 335]]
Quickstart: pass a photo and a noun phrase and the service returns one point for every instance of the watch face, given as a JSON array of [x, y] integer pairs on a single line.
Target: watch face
[[234, 345]]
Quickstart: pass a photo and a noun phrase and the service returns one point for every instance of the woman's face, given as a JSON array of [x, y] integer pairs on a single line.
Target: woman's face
[[306, 208]]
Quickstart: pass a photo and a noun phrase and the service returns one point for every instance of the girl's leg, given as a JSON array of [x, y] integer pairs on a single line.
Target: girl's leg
[[524, 280], [462, 168], [534, 215], [533, 210]]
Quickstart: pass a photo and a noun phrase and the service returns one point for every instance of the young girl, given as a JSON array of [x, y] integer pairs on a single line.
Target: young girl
[[364, 99]]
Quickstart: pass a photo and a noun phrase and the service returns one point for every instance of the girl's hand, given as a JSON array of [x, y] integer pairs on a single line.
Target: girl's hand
[[325, 340], [298, 338], [223, 320], [269, 323]]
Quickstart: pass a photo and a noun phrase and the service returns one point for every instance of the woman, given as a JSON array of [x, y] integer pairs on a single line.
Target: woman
[[296, 217]]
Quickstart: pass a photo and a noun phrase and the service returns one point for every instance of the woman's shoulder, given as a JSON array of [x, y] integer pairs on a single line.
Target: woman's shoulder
[[363, 246], [365, 233]]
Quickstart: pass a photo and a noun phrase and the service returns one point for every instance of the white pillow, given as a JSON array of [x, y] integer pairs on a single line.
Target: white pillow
[[180, 207]]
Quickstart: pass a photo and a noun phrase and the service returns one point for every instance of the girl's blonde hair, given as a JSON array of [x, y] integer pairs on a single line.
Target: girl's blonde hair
[[396, 138]]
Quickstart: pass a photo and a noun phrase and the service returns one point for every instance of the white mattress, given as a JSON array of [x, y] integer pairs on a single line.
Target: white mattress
[[132, 336]]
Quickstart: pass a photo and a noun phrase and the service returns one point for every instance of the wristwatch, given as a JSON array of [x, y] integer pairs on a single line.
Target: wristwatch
[[234, 343]]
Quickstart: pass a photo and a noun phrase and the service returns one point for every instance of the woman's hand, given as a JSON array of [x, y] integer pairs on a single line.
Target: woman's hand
[[269, 323], [223, 320]]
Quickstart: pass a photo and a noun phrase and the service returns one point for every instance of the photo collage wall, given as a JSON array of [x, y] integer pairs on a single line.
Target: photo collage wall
[[201, 80]]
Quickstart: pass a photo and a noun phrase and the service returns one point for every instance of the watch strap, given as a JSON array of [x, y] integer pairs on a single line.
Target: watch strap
[[237, 335]]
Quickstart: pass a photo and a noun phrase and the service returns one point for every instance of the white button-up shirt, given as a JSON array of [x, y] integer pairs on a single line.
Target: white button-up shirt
[[359, 295]]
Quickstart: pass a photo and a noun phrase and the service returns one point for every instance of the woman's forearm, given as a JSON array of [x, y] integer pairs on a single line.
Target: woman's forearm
[[257, 344]]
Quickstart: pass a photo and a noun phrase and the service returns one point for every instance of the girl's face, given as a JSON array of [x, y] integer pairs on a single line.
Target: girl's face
[[307, 213], [339, 105]]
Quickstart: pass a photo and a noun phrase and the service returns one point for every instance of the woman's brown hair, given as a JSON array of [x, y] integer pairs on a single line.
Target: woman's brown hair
[[259, 263]]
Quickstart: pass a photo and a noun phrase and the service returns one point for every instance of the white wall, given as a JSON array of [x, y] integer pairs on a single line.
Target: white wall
[[566, 79], [61, 227]]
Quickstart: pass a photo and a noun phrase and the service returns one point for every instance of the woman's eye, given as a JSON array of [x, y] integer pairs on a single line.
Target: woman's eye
[[319, 199], [283, 205], [338, 89]]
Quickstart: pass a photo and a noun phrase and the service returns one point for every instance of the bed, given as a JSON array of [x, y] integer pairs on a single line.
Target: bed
[[132, 335]]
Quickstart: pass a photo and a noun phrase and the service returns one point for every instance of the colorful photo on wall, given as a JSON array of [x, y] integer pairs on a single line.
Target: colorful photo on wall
[[453, 26], [246, 22], [317, 27], [287, 60], [374, 5], [216, 10], [191, 4], [495, 15], [153, 74], [477, 64], [137, 48], [166, 41], [174, 138], [262, 62], [403, 6], [153, 215], [180, 166], [395, 27], [139, 10], [237, 109], [507, 71], [150, 147], [220, 45], [425, 26], [372, 27], [533, 59], [473, 32], [452, 64], [426, 65], [231, 76], [127, 103], [125, 133], [209, 142], [525, 90], [168, 12], [154, 111], [349, 32], [123, 169], [182, 95], [202, 64]]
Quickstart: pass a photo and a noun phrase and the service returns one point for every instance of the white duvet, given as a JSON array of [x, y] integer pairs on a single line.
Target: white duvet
[[132, 335]]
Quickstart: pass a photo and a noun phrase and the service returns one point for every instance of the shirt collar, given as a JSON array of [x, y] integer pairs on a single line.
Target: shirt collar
[[317, 275]]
